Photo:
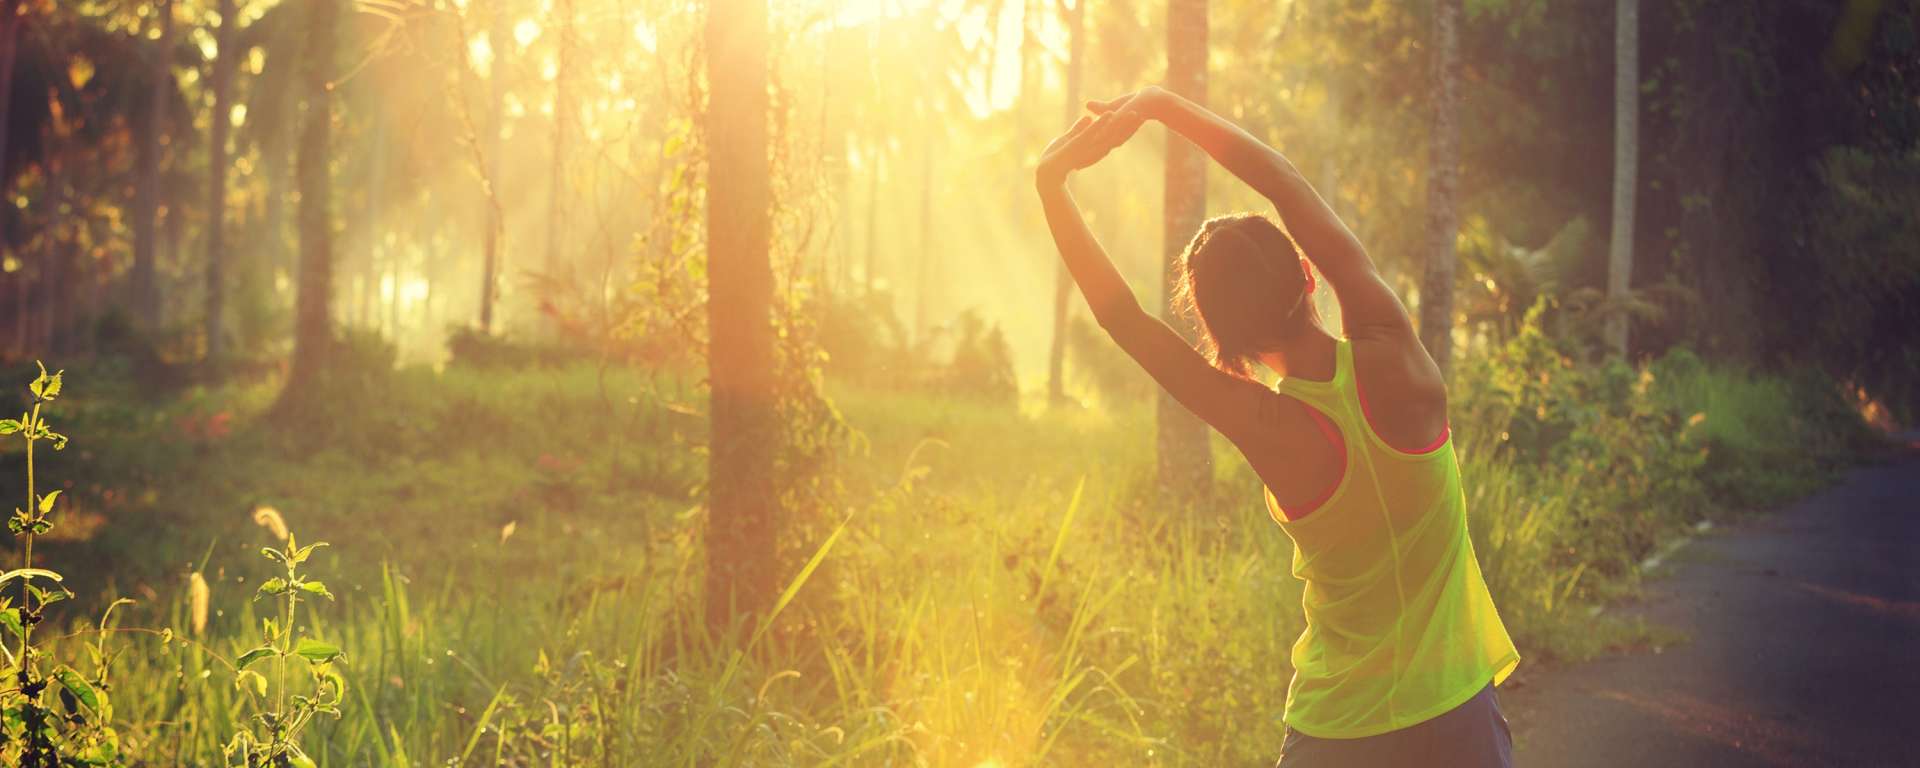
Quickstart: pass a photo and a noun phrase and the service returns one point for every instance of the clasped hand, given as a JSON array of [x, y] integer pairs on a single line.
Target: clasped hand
[[1110, 125]]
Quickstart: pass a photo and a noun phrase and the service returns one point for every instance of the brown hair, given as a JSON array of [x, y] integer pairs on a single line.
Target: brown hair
[[1241, 279]]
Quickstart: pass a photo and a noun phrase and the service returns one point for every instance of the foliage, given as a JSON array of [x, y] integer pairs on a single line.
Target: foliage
[[1101, 366], [471, 346], [33, 733], [1001, 590], [272, 739], [970, 358]]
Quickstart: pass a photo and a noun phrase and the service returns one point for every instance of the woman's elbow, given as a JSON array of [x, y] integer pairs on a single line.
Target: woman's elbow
[[1118, 317]]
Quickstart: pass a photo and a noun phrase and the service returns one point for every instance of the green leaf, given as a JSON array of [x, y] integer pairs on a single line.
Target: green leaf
[[274, 555], [248, 677], [52, 388], [46, 502], [28, 573], [9, 426], [10, 618], [271, 587], [78, 686], [39, 385], [248, 658], [317, 652], [300, 554], [316, 588], [46, 597]]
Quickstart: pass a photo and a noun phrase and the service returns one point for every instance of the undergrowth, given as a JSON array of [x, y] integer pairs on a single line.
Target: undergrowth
[[521, 585]]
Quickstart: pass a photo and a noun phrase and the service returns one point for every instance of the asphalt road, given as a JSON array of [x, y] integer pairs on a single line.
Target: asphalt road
[[1802, 647]]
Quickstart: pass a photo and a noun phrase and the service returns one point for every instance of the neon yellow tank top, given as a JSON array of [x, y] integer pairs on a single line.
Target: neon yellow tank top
[[1400, 627]]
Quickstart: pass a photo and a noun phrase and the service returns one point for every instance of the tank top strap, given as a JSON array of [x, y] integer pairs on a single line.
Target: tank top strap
[[1333, 396]]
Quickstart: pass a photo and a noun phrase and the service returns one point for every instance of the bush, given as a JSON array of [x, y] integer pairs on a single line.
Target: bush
[[475, 348]]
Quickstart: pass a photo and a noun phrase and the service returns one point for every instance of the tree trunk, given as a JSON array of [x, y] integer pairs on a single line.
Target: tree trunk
[[1062, 289], [1185, 463], [312, 320], [1436, 289], [10, 23], [923, 275], [1626, 155], [222, 83], [494, 218], [373, 226], [873, 222], [742, 507], [144, 282], [557, 189]]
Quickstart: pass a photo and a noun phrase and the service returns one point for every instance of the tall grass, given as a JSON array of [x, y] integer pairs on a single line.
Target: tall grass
[[519, 586]]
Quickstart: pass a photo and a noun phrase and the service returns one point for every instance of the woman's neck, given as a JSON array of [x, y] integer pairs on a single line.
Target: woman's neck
[[1307, 355]]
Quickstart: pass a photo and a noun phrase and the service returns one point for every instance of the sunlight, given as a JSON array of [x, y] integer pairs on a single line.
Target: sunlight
[[853, 13], [525, 32]]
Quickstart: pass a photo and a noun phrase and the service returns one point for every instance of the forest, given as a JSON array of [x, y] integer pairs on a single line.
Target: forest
[[695, 382]]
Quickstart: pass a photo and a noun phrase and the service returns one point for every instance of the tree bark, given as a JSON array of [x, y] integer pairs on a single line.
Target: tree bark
[[1185, 462], [923, 283], [742, 507], [873, 222], [557, 190], [1436, 289], [1076, 18], [222, 84], [1626, 155], [143, 279], [10, 22], [495, 220], [312, 320]]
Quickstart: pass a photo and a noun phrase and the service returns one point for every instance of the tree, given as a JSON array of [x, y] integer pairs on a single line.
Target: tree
[[12, 17], [740, 494], [562, 116], [144, 279], [1057, 352], [222, 85], [1185, 462], [312, 313], [1436, 290], [1626, 154], [495, 218]]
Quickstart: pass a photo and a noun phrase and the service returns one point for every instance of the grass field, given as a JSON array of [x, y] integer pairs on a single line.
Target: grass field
[[515, 564]]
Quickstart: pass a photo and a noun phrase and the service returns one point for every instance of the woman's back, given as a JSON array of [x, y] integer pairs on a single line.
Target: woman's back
[[1400, 627]]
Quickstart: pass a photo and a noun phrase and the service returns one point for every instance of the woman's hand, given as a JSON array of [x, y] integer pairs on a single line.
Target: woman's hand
[[1146, 103], [1089, 140]]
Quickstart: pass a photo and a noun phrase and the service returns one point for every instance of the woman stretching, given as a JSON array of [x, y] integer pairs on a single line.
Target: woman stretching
[[1402, 646]]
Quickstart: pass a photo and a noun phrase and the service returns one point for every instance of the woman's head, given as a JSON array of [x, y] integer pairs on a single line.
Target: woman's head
[[1243, 280]]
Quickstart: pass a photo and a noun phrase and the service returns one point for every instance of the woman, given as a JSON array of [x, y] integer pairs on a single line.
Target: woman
[[1403, 645]]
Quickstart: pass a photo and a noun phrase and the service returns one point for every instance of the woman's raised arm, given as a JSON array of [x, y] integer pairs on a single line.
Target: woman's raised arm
[[1242, 410], [1367, 303]]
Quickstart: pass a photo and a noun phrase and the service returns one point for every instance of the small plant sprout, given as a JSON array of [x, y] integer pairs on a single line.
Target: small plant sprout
[[33, 734], [274, 739]]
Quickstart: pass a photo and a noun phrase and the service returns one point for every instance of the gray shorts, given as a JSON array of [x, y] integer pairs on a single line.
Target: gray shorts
[[1472, 735]]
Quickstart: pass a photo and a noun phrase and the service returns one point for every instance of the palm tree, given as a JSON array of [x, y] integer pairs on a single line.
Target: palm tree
[[1436, 290], [742, 508], [144, 279], [1626, 153], [222, 84], [312, 320], [1076, 17], [10, 22], [1184, 457]]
